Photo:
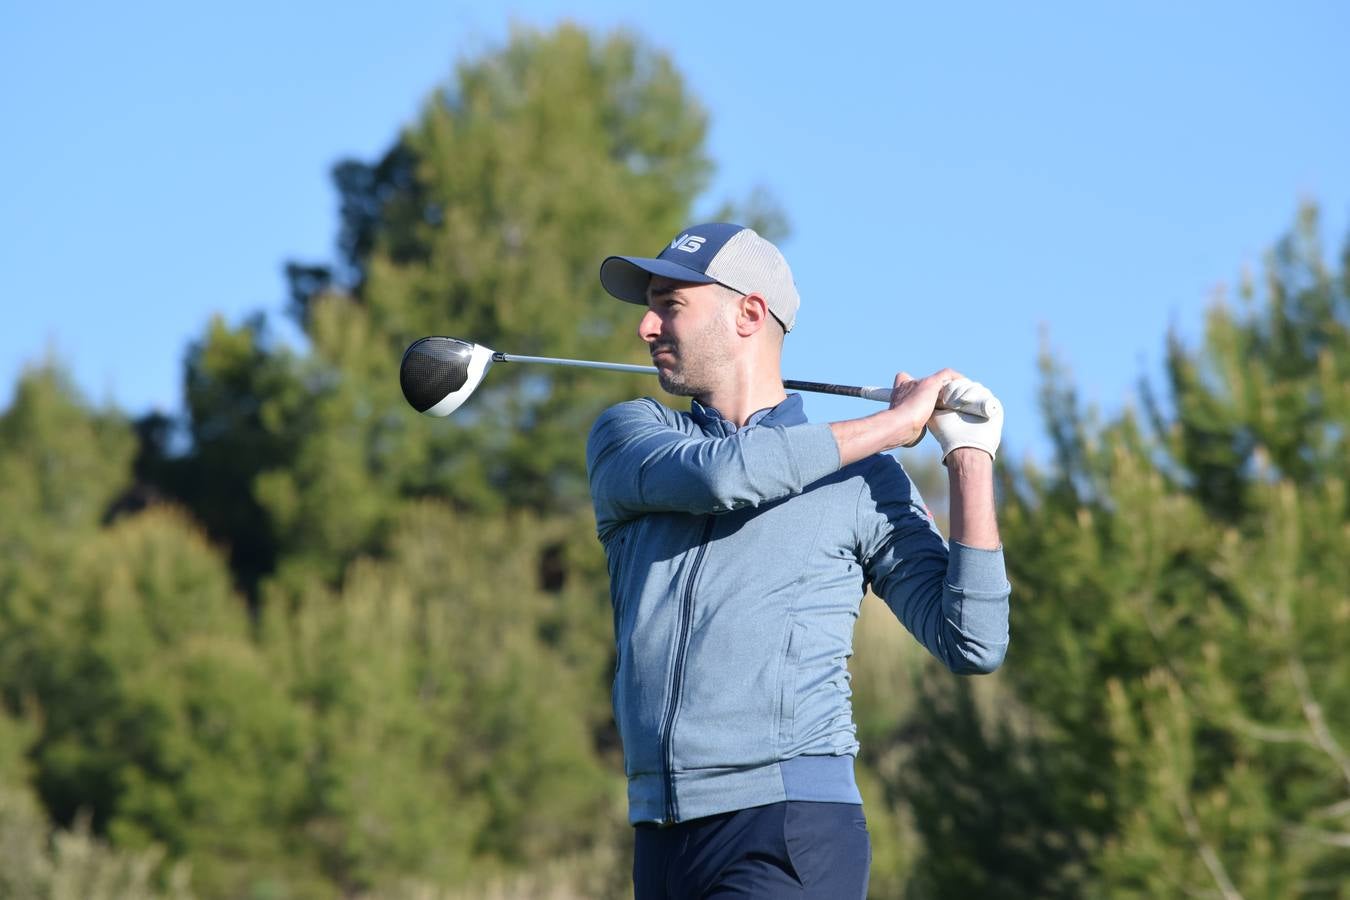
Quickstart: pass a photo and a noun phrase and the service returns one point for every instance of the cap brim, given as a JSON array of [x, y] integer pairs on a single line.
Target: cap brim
[[626, 277]]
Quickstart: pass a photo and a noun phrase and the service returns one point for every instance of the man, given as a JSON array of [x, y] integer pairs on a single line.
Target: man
[[740, 540]]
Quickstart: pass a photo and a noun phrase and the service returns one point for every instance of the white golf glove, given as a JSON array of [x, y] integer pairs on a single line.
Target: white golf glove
[[973, 418]]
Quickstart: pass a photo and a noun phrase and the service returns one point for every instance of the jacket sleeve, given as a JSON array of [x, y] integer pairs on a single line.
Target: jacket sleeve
[[955, 601], [638, 462]]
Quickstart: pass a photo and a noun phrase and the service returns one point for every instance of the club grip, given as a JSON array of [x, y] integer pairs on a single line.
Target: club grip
[[982, 408]]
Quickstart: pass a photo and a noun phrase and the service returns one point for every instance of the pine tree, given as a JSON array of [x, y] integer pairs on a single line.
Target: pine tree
[[486, 219], [429, 593], [1180, 597]]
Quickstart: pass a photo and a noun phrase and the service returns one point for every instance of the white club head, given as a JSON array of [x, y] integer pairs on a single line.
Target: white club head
[[439, 373]]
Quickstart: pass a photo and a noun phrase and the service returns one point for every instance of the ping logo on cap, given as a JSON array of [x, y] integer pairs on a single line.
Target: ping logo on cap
[[689, 243]]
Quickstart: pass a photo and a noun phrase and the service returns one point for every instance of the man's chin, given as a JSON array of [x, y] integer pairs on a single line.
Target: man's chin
[[672, 385]]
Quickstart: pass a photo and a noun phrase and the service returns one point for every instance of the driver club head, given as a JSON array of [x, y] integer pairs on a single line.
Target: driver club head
[[438, 374]]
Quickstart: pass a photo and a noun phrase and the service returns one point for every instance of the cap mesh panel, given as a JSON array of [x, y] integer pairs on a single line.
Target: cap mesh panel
[[750, 264]]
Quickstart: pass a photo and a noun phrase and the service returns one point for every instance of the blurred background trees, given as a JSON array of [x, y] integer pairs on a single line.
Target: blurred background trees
[[298, 641], [1176, 718]]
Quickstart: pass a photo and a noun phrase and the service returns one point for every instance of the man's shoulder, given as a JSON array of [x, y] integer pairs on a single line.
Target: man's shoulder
[[642, 406], [643, 409], [617, 421]]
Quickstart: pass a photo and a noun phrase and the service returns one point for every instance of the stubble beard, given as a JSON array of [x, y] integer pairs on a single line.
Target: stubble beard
[[699, 360]]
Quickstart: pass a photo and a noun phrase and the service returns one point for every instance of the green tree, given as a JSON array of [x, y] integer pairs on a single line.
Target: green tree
[[454, 723], [38, 862], [61, 464], [487, 219], [247, 403], [368, 533], [160, 724], [1180, 595]]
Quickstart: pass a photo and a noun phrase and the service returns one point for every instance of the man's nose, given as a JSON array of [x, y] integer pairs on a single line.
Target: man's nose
[[649, 328]]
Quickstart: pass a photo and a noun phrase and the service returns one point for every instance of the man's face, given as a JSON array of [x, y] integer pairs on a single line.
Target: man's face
[[690, 333]]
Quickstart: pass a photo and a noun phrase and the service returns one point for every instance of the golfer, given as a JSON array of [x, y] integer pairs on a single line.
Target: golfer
[[740, 540]]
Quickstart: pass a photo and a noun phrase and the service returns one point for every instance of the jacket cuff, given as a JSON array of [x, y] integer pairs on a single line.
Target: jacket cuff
[[975, 571]]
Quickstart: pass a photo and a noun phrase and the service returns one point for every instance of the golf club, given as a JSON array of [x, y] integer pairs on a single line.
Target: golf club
[[438, 374]]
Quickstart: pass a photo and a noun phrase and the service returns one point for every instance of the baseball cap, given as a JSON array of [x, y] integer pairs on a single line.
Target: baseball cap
[[714, 253]]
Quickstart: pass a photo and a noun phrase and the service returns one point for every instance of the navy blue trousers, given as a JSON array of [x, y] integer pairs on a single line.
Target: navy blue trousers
[[797, 849]]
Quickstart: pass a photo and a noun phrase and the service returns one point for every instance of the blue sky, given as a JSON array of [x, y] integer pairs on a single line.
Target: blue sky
[[960, 179]]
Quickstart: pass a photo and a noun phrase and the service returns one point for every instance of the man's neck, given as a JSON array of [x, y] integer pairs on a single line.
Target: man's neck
[[742, 397]]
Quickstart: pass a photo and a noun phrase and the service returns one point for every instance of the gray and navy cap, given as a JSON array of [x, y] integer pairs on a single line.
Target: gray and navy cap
[[717, 253]]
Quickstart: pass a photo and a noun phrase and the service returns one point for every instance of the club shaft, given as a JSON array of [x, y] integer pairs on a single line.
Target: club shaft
[[814, 387], [840, 390], [575, 363], [438, 373]]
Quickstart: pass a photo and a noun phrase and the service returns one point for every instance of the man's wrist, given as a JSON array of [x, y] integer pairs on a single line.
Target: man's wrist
[[968, 461]]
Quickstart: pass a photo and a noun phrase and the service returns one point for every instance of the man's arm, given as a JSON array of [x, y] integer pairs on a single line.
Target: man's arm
[[639, 463], [953, 600], [970, 479], [902, 425]]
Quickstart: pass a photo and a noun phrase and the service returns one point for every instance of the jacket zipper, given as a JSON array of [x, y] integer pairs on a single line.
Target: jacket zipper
[[677, 676]]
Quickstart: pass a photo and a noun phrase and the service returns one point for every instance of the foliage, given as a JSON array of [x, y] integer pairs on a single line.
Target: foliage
[[487, 220], [1181, 597], [453, 736], [37, 863], [61, 465], [159, 721]]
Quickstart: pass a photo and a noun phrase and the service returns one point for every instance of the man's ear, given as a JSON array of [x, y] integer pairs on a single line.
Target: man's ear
[[752, 315]]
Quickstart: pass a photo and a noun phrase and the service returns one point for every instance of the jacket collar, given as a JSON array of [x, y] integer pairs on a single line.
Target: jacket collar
[[789, 412]]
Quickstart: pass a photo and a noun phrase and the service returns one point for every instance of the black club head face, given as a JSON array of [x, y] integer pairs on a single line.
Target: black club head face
[[438, 374]]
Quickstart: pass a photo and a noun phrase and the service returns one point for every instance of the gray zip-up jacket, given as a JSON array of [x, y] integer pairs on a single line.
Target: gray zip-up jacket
[[738, 559]]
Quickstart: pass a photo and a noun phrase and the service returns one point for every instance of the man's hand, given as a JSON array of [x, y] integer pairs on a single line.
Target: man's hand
[[911, 397], [955, 429], [912, 403]]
